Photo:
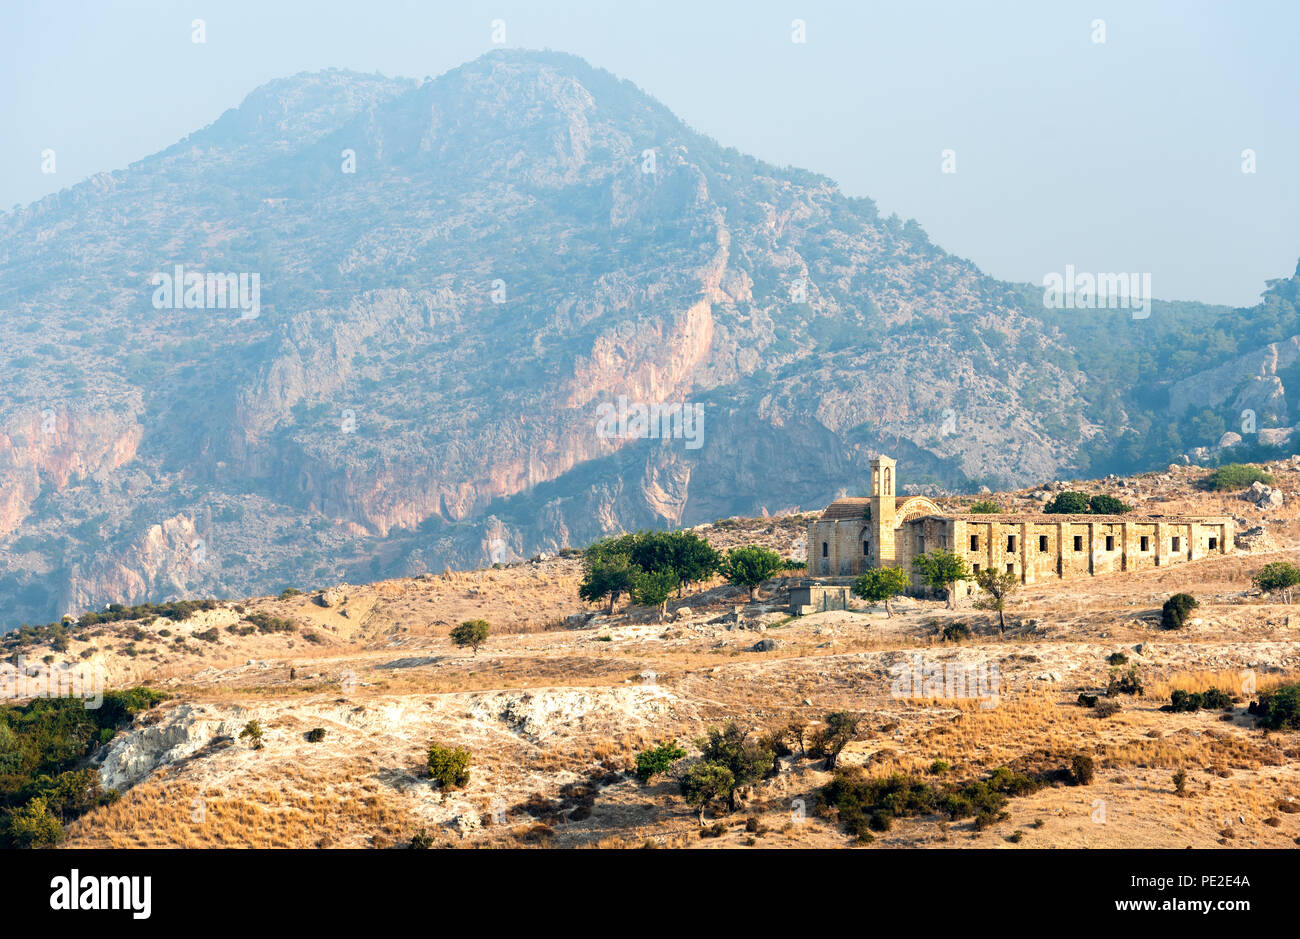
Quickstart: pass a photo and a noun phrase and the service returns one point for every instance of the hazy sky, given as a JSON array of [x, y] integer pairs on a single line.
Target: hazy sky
[[1117, 156]]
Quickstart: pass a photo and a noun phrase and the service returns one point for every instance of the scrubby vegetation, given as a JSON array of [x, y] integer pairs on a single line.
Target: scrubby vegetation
[[1174, 613], [45, 747], [1236, 476], [1278, 709], [449, 765], [1181, 701], [1072, 502], [1124, 682], [657, 760], [864, 804], [57, 633]]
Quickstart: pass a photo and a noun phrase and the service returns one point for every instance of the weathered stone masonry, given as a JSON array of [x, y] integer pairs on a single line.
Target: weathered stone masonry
[[854, 534]]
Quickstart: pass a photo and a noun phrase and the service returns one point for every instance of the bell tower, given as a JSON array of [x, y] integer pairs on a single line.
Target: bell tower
[[883, 481]]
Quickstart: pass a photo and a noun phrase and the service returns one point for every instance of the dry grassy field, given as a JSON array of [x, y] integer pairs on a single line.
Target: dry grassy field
[[555, 707]]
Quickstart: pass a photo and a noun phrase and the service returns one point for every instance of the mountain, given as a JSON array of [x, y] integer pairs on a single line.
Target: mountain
[[456, 279]]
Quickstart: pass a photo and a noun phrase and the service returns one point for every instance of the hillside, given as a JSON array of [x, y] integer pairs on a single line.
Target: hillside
[[557, 703], [524, 240]]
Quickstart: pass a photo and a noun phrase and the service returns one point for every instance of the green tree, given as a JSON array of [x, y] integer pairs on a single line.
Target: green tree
[[607, 574], [881, 583], [653, 588], [1108, 505], [657, 760], [750, 566], [684, 553], [834, 736], [703, 783], [1277, 577], [942, 570], [731, 747], [998, 586], [472, 633], [1068, 503]]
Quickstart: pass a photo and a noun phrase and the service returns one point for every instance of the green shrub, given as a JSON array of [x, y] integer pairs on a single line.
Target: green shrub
[[1124, 683], [1082, 769], [267, 623], [1189, 702], [421, 840], [1173, 615], [449, 766], [253, 733], [32, 826], [1117, 658], [1108, 505], [657, 760], [1087, 700], [1279, 709], [956, 632], [316, 735], [985, 507], [1067, 503], [1236, 476]]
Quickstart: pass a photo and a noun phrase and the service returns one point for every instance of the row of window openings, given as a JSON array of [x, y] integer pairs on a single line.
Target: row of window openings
[[1144, 543]]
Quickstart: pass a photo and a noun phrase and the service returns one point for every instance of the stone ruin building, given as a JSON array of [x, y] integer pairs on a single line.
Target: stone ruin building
[[855, 534]]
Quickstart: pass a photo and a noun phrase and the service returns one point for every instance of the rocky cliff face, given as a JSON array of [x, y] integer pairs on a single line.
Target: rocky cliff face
[[457, 280]]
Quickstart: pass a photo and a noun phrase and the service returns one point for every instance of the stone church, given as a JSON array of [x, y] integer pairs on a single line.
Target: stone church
[[854, 534]]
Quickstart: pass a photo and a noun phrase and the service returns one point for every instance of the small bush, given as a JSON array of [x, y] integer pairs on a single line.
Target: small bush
[[1236, 476], [716, 830], [956, 632], [1173, 615], [1107, 707], [1180, 782], [1124, 683], [657, 760], [1087, 700], [1117, 658], [985, 507], [1279, 709], [939, 767], [253, 733], [449, 766], [1082, 769], [1189, 702], [316, 735], [421, 840]]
